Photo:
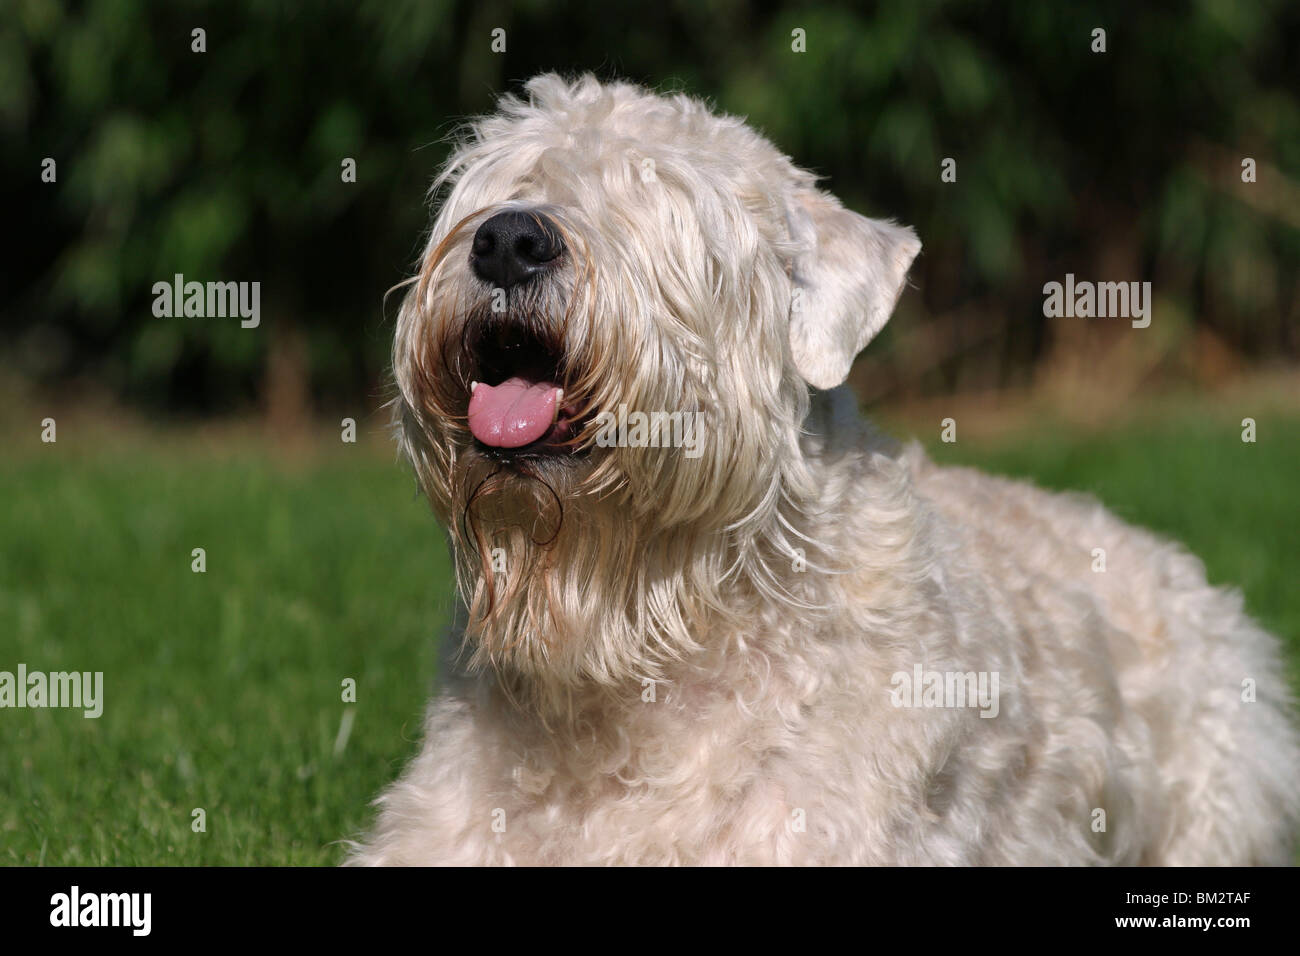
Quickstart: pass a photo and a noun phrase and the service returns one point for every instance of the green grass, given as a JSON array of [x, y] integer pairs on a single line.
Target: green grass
[[223, 689]]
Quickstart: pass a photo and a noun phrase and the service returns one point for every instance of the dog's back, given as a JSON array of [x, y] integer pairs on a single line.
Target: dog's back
[[1122, 634]]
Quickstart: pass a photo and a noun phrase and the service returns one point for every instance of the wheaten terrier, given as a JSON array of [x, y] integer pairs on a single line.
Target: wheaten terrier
[[709, 616]]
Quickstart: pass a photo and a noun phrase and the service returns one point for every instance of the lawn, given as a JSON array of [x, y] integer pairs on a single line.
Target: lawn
[[223, 689]]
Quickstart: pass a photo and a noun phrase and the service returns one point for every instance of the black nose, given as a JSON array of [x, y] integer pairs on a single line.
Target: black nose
[[512, 247]]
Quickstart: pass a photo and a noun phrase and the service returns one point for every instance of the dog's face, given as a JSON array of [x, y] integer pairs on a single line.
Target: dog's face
[[604, 252]]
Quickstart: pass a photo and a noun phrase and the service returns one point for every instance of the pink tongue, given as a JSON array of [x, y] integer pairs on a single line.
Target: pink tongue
[[515, 413]]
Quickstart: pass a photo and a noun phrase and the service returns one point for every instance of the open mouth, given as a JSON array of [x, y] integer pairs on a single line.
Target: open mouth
[[517, 404]]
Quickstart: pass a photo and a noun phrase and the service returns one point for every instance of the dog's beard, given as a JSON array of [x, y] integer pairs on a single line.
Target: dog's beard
[[552, 566], [565, 582], [540, 552]]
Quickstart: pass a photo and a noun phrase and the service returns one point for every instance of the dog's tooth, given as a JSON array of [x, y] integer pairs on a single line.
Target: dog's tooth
[[559, 397], [472, 386]]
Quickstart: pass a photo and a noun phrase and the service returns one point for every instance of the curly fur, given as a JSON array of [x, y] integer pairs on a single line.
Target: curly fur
[[689, 660]]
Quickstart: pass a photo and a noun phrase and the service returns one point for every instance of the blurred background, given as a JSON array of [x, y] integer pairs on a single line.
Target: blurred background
[[226, 165], [176, 433]]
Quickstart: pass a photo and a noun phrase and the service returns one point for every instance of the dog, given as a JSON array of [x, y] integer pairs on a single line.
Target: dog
[[788, 640]]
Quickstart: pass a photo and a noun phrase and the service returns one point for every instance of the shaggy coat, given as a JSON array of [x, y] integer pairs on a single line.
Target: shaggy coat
[[663, 659]]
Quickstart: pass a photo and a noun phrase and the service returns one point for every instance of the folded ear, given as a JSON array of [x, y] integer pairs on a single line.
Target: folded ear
[[847, 277]]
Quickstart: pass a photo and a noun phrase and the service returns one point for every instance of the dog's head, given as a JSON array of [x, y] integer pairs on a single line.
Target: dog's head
[[601, 254]]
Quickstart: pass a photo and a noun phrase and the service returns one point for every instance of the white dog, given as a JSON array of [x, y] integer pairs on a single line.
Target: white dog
[[709, 615]]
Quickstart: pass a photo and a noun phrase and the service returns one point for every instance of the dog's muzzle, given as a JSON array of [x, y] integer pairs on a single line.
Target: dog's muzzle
[[517, 403]]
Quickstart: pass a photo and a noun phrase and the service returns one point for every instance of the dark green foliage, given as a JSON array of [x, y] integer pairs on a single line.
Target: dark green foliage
[[226, 164]]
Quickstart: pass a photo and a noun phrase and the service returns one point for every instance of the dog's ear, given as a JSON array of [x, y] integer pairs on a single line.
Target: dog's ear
[[847, 277]]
